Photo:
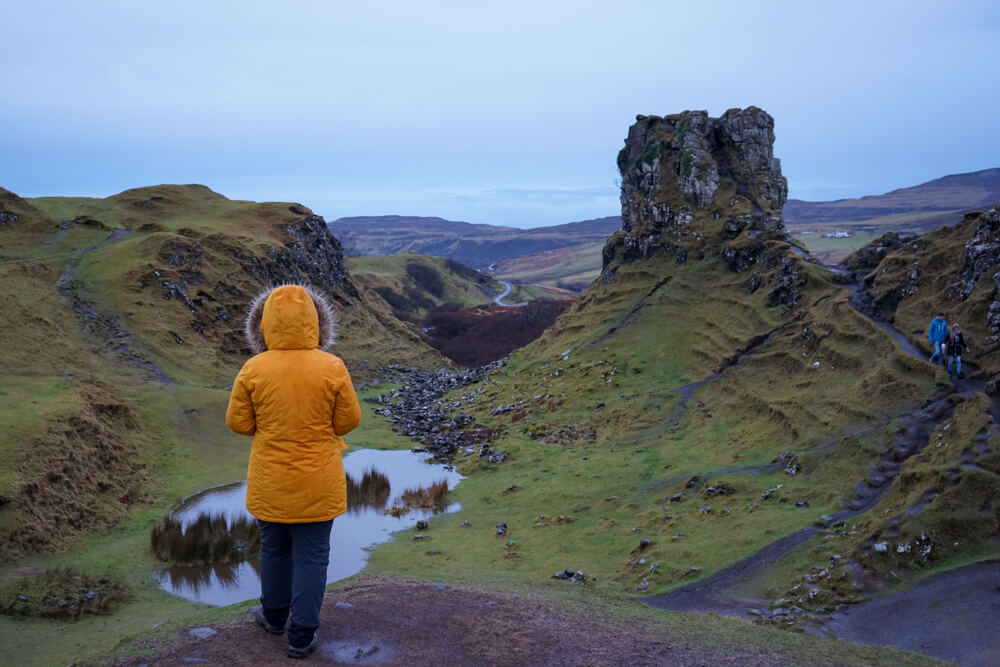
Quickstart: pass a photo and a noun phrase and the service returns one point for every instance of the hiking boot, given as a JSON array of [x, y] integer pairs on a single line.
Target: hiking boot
[[258, 615], [299, 653]]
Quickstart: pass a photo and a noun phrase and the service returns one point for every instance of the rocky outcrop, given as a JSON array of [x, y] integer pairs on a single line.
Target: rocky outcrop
[[314, 256], [689, 180], [982, 256], [311, 255], [982, 251], [869, 256], [695, 187], [442, 429]]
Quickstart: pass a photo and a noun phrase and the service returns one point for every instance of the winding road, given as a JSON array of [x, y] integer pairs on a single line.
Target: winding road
[[507, 287]]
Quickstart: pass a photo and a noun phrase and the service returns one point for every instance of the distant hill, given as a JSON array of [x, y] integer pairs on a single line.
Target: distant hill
[[945, 196], [832, 229], [474, 245], [413, 285], [559, 273]]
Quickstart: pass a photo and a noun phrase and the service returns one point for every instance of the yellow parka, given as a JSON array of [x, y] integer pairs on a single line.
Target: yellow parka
[[296, 401]]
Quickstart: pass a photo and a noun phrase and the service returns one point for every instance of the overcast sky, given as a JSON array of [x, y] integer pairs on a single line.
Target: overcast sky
[[499, 112]]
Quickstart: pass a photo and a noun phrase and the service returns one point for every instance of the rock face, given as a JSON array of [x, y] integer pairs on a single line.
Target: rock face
[[313, 256], [982, 256], [696, 187], [869, 256], [955, 270], [309, 254], [676, 167]]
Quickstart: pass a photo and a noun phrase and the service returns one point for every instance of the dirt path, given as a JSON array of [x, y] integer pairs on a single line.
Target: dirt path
[[105, 327], [402, 622], [952, 615]]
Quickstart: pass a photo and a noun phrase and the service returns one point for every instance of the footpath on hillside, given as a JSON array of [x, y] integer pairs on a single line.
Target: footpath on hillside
[[951, 615]]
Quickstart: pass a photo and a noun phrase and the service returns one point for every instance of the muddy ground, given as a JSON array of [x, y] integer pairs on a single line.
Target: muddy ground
[[402, 622]]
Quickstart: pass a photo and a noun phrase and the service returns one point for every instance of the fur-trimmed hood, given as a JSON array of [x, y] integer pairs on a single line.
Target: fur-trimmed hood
[[285, 333]]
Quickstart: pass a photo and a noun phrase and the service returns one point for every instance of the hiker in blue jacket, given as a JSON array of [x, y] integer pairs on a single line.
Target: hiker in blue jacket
[[937, 334]]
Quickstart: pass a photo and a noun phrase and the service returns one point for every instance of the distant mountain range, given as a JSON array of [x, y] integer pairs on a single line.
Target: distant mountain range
[[474, 245], [912, 210], [926, 206]]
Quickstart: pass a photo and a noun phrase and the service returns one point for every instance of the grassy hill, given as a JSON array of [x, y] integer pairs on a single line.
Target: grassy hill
[[123, 324], [911, 211], [474, 245], [413, 285], [561, 273]]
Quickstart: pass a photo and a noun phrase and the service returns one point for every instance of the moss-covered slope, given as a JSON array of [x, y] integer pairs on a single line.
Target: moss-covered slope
[[952, 269], [122, 325]]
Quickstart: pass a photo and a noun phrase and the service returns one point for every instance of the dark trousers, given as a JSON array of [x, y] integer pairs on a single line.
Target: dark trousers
[[293, 562]]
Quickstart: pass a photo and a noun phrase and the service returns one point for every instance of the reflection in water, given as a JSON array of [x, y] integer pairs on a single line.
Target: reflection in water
[[372, 491], [209, 539], [354, 533]]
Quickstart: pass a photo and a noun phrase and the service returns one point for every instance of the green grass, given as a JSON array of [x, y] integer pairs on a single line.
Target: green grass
[[833, 250], [639, 457], [574, 265], [68, 208], [458, 284]]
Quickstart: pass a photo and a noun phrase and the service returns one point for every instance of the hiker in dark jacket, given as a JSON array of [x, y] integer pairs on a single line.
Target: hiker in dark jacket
[[937, 335], [955, 346]]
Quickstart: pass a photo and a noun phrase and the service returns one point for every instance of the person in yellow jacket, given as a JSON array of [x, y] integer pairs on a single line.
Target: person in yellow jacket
[[297, 401]]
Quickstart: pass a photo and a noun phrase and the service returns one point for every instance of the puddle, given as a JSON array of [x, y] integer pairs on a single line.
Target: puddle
[[359, 653], [354, 533]]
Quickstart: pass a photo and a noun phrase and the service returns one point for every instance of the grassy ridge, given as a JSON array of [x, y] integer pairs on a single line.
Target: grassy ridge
[[109, 420], [604, 441], [474, 245], [562, 271], [417, 283], [954, 192]]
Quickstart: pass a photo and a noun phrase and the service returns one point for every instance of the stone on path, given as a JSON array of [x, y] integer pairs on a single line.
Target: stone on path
[[201, 633]]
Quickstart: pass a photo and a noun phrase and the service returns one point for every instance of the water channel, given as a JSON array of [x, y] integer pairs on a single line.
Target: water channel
[[353, 535]]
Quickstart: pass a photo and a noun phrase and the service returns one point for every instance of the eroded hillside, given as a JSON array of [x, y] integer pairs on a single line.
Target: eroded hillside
[[123, 321], [717, 395]]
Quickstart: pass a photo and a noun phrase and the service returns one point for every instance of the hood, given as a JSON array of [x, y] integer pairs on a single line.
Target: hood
[[290, 317]]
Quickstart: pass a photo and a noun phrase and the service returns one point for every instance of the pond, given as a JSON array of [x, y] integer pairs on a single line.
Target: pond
[[353, 535]]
